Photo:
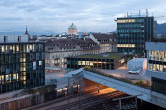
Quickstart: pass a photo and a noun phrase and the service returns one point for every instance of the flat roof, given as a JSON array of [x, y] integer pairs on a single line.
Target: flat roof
[[102, 56], [139, 59]]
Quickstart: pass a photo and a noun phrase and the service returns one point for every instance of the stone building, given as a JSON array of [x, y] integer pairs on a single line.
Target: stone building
[[58, 50], [107, 42], [72, 30]]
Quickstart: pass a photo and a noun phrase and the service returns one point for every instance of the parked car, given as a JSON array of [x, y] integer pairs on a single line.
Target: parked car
[[134, 71]]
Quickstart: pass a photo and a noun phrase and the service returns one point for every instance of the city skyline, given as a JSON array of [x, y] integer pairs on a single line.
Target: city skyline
[[57, 16]]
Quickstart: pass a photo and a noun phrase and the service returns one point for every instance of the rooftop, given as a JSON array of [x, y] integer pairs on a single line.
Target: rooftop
[[105, 38], [102, 56], [72, 26], [139, 59]]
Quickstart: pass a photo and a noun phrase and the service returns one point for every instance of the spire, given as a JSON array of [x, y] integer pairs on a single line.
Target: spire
[[26, 32]]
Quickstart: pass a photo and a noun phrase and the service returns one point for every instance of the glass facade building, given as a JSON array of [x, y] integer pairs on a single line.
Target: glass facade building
[[133, 32], [156, 56], [22, 65], [95, 61]]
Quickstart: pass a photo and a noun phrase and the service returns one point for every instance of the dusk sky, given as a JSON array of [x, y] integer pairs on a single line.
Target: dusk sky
[[87, 15]]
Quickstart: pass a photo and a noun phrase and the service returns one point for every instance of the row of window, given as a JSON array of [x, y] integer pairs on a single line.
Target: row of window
[[126, 45], [157, 55], [129, 30], [130, 41], [21, 48], [157, 67], [16, 58], [130, 20], [130, 25]]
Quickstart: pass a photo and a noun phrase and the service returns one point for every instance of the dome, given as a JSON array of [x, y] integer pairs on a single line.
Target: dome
[[72, 26]]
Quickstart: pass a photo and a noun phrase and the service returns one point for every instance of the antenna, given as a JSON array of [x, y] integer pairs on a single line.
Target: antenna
[[139, 12], [127, 13], [146, 12]]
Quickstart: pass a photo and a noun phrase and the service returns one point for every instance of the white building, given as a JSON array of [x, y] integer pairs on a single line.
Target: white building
[[137, 63], [13, 38]]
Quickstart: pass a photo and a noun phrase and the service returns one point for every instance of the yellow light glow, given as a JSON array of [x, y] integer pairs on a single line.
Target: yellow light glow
[[126, 45]]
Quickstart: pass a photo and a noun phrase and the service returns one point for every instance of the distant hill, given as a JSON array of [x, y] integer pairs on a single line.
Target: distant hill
[[161, 28], [31, 33]]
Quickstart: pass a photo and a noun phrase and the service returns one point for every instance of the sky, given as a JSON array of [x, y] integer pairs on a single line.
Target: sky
[[87, 15]]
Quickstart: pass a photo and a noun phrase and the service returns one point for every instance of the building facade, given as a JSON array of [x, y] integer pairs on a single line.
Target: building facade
[[133, 31], [72, 30], [107, 42], [98, 61], [22, 65], [156, 56], [58, 50]]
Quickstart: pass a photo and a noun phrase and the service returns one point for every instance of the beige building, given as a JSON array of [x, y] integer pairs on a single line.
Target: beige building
[[72, 30], [107, 42], [57, 50]]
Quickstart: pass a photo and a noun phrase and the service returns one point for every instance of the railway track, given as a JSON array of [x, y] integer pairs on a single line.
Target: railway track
[[38, 107], [89, 101], [111, 105]]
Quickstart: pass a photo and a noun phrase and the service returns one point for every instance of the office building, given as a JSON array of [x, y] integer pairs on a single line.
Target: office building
[[22, 63], [156, 56], [98, 61], [133, 31]]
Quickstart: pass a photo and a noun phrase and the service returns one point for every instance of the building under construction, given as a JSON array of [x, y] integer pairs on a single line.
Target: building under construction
[[133, 31]]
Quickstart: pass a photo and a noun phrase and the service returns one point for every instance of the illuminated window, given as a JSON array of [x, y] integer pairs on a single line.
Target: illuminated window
[[31, 47], [150, 66], [13, 48], [91, 63], [79, 62], [3, 48], [161, 67], [40, 62], [87, 62], [83, 62], [8, 78], [2, 79], [15, 78], [17, 48]]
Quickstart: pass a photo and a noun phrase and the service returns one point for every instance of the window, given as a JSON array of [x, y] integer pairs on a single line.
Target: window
[[19, 38], [34, 65], [17, 48], [5, 38], [40, 62]]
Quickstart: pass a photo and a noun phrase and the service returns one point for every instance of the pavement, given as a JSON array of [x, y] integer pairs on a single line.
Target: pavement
[[122, 72], [51, 77]]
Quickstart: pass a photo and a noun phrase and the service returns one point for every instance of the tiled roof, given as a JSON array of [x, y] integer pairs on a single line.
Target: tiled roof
[[105, 38], [85, 44]]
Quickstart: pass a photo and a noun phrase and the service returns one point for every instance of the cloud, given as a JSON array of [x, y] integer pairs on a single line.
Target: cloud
[[88, 15]]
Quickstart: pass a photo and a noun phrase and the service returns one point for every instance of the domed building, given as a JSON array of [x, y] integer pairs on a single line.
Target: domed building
[[72, 30]]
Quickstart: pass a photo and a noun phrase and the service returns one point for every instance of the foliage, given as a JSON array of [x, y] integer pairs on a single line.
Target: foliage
[[31, 91]]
